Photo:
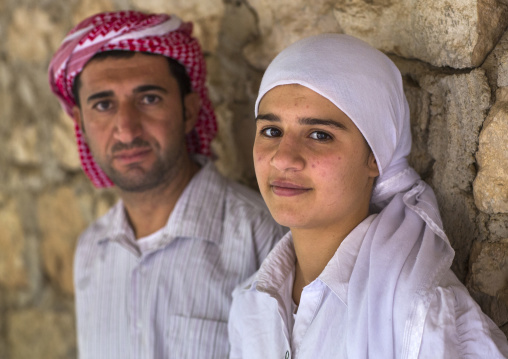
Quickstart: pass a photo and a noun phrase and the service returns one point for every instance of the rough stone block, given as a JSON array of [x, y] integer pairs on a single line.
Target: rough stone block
[[35, 333], [502, 75], [44, 35], [23, 146], [491, 183], [63, 143], [488, 278], [61, 221], [283, 22], [447, 113], [459, 104], [489, 267], [13, 273], [87, 8], [456, 33]]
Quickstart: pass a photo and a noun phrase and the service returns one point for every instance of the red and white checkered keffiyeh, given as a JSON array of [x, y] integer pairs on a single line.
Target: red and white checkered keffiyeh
[[134, 31]]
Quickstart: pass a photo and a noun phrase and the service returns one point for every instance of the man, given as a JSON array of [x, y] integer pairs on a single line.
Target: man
[[154, 276]]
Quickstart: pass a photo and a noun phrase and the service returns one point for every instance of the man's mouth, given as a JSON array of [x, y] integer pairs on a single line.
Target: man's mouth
[[133, 155]]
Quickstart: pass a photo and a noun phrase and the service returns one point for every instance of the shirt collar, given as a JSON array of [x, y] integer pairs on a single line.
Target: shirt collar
[[199, 211], [197, 214], [276, 267], [279, 264], [337, 272]]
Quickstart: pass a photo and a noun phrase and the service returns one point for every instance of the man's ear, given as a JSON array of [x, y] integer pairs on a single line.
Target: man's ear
[[76, 115], [192, 105], [372, 165]]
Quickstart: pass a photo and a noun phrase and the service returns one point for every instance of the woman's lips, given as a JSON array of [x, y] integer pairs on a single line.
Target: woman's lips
[[287, 189]]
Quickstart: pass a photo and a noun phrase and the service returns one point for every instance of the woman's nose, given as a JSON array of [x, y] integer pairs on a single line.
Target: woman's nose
[[288, 155]]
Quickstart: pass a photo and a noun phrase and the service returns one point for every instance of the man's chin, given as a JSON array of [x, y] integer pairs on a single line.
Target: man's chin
[[136, 180], [136, 186]]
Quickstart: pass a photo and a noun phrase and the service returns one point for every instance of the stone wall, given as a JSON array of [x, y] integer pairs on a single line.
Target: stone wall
[[453, 55]]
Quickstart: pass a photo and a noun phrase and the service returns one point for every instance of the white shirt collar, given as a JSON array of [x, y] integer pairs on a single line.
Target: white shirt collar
[[280, 263]]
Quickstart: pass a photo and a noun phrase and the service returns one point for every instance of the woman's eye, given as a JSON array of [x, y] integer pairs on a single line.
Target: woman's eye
[[320, 136], [150, 99], [271, 132]]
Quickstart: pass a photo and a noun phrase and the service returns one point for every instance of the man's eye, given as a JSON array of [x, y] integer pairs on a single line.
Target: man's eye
[[271, 132], [320, 136], [103, 105], [150, 99]]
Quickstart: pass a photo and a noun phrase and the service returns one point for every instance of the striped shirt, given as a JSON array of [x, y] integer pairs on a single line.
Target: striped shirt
[[169, 295]]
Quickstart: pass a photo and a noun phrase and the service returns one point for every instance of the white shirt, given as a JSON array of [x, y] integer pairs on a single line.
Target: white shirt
[[169, 294], [261, 323]]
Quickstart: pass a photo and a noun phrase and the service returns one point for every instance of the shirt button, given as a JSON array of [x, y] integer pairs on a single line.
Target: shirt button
[[287, 354]]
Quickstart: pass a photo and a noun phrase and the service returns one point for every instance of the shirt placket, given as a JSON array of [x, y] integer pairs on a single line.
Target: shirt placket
[[310, 301], [139, 345]]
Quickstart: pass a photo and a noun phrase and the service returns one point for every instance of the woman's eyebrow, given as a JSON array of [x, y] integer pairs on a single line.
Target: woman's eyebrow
[[324, 122], [268, 117]]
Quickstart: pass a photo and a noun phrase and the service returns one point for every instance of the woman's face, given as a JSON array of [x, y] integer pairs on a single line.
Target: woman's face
[[313, 166]]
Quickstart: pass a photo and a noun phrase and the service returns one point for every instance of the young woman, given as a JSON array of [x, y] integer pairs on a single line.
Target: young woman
[[365, 270]]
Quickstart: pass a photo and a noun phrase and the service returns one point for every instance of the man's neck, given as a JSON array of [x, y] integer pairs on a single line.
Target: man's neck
[[149, 211]]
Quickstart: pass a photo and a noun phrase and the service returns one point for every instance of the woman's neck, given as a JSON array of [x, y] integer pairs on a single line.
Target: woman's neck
[[314, 248]]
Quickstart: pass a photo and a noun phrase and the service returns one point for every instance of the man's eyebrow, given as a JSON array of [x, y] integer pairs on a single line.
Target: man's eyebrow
[[323, 122], [99, 95], [267, 117], [145, 88], [139, 89]]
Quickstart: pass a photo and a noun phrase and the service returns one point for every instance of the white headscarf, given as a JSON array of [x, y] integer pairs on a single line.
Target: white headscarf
[[405, 250]]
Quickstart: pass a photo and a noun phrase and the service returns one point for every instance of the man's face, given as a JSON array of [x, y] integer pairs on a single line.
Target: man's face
[[133, 119], [313, 166]]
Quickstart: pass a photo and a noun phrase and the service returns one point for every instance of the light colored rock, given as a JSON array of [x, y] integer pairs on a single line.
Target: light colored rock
[[455, 33], [223, 147], [5, 76], [6, 111], [491, 183], [26, 91], [459, 104], [487, 279], [6, 99], [13, 273], [23, 146], [283, 22], [6, 96], [88, 8], [502, 74], [41, 334], [61, 220], [63, 143], [489, 268], [498, 227], [206, 16], [38, 46], [447, 113]]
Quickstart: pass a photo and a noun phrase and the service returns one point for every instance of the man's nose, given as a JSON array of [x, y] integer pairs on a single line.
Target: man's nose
[[127, 123], [288, 155]]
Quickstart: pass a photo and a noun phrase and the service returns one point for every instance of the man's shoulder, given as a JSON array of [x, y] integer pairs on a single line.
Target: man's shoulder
[[244, 195], [100, 227]]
